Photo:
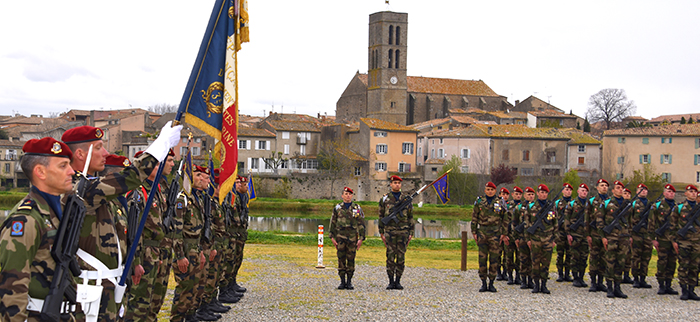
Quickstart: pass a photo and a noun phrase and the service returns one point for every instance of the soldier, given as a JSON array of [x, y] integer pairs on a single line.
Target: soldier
[[595, 242], [666, 263], [615, 242], [396, 235], [641, 241], [560, 239], [521, 243], [188, 251], [239, 232], [233, 217], [540, 243], [503, 194], [575, 212], [347, 233], [688, 247], [626, 279], [489, 230], [153, 261], [512, 259], [27, 234], [99, 247]]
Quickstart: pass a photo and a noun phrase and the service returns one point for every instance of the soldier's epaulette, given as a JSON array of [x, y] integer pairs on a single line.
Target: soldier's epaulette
[[28, 204]]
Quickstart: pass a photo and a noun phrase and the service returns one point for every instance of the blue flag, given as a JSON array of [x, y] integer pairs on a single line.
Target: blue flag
[[212, 183], [251, 189], [442, 189]]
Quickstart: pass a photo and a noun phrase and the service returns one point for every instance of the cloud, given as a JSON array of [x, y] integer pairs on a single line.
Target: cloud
[[48, 68]]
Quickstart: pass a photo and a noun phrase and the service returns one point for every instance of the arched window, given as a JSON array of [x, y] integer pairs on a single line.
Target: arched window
[[376, 58], [391, 54], [398, 34], [396, 61], [391, 34]]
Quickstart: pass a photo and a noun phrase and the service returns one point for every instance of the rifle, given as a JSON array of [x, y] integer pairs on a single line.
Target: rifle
[[520, 228], [543, 212], [132, 218], [691, 222], [580, 215], [64, 249], [561, 219], [667, 223], [206, 235], [619, 215], [644, 219], [396, 212], [171, 200], [228, 209]]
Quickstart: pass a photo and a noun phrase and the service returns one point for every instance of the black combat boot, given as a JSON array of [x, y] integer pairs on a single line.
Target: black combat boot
[[536, 288], [226, 295], [529, 283], [190, 318], [684, 292], [618, 291], [491, 287], [484, 287], [348, 285], [580, 278], [567, 276], [523, 283], [238, 288], [510, 278], [662, 287], [611, 290], [577, 280], [342, 285], [626, 279], [643, 282], [543, 288], [204, 315], [217, 307], [594, 284], [500, 276], [669, 289], [561, 275], [392, 284], [517, 277], [601, 286], [635, 284], [691, 293], [398, 285]]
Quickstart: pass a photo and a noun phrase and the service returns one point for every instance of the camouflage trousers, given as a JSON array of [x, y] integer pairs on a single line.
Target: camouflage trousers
[[239, 245], [688, 261], [525, 259], [541, 253], [641, 255], [615, 257], [346, 250], [489, 249], [512, 260], [146, 298], [187, 290], [563, 251], [578, 254], [502, 262], [213, 275], [396, 242], [666, 264], [596, 258], [226, 262]]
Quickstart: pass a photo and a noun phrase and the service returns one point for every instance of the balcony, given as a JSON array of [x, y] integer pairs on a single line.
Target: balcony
[[301, 140]]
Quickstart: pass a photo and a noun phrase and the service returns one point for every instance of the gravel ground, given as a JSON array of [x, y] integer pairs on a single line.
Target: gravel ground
[[280, 290]]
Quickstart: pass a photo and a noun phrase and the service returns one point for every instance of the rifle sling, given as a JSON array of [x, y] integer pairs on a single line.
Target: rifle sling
[[102, 271]]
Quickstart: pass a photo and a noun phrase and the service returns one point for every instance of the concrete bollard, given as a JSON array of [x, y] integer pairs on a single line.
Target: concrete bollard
[[320, 247]]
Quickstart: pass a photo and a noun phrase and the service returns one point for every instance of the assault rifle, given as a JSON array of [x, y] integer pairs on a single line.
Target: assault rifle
[[171, 200], [132, 218], [227, 208], [542, 214], [206, 235], [644, 218], [620, 215], [667, 223], [64, 249], [580, 215], [396, 212], [691, 224], [520, 228]]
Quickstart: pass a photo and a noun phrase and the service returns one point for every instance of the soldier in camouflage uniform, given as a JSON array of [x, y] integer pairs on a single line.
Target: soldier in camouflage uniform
[[641, 241], [616, 242], [395, 235], [563, 252], [27, 234], [540, 242], [595, 243], [503, 194], [101, 256], [574, 212], [347, 232], [666, 263], [153, 261], [688, 247], [225, 293], [512, 259], [521, 243], [239, 233], [626, 279], [489, 228]]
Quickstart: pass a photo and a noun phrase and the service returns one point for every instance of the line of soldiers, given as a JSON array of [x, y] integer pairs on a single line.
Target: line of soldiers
[[613, 234], [115, 188]]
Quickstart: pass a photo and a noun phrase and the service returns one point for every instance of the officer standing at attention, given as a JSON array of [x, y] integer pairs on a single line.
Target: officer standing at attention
[[27, 234], [540, 242], [396, 235], [595, 243], [576, 238], [347, 233], [688, 247], [626, 279], [489, 230], [616, 242], [503, 194], [523, 248], [512, 259], [641, 241], [666, 263], [563, 253]]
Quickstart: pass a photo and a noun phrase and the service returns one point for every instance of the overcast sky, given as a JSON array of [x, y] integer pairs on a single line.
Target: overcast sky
[[61, 55]]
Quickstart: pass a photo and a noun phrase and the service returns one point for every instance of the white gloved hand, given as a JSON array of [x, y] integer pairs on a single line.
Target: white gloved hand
[[168, 138]]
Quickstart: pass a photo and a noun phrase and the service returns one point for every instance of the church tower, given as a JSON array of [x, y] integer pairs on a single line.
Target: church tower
[[386, 76]]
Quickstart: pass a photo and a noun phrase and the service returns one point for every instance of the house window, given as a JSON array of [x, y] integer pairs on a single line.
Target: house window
[[396, 60], [526, 155], [243, 144], [404, 167], [550, 172], [407, 148], [582, 149], [666, 177], [184, 140], [284, 164], [254, 163], [398, 35], [433, 170], [285, 135], [391, 34], [551, 157], [697, 176], [262, 145], [581, 160], [644, 158], [286, 149], [526, 172], [666, 159], [441, 153], [621, 140], [391, 57], [620, 160], [195, 150], [440, 141], [183, 150], [696, 159], [380, 166], [380, 134], [198, 140], [382, 148], [465, 169], [10, 155], [268, 164], [7, 168], [312, 164], [302, 150], [432, 153], [466, 153], [619, 176], [505, 155], [667, 140], [358, 171], [420, 150], [645, 140]]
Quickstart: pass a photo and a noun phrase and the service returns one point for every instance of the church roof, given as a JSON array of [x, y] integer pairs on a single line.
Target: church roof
[[431, 85]]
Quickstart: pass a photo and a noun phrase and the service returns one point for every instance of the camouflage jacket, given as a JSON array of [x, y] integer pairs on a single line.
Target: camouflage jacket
[[488, 218], [120, 223], [550, 222], [189, 212], [573, 211], [406, 223], [636, 216], [347, 222], [661, 212], [559, 206], [679, 218], [512, 217], [218, 224], [593, 207], [26, 266], [607, 214], [241, 211], [153, 230]]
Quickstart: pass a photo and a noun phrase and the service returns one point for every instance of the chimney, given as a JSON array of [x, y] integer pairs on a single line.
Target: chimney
[[517, 102]]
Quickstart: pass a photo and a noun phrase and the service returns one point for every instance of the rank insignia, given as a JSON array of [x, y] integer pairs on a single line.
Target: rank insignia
[[56, 148], [26, 205], [17, 229], [98, 133]]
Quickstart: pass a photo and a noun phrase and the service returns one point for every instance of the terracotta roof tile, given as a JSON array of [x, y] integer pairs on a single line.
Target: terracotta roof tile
[[435, 161], [580, 137], [675, 117], [433, 122], [463, 119], [665, 130], [294, 126], [448, 86], [351, 154], [378, 124], [552, 113], [254, 132]]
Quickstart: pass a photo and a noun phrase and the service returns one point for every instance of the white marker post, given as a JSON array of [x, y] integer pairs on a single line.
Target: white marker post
[[320, 247]]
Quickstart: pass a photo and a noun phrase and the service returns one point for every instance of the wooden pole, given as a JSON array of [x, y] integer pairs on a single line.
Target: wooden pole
[[464, 250]]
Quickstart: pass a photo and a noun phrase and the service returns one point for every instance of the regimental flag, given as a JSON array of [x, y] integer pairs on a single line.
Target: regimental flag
[[210, 101], [251, 189], [187, 173], [442, 189], [212, 183]]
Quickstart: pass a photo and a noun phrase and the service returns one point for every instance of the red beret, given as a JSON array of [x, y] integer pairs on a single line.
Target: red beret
[[243, 179], [117, 161], [346, 189], [517, 189], [566, 185], [490, 185], [395, 178], [543, 187], [138, 154], [584, 186], [47, 146], [81, 134], [216, 179], [603, 181], [201, 169], [691, 187], [504, 189], [529, 189], [670, 187], [628, 190], [641, 185], [618, 183], [171, 152]]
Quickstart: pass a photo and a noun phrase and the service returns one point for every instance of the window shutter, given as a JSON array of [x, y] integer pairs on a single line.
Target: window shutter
[[408, 165], [662, 159], [670, 140], [670, 158], [695, 159], [619, 161], [641, 159], [256, 144], [697, 143], [267, 145], [669, 177], [377, 148], [247, 144], [469, 153]]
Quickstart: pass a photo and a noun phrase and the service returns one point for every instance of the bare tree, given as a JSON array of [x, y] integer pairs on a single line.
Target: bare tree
[[275, 161], [163, 108], [609, 105], [334, 161]]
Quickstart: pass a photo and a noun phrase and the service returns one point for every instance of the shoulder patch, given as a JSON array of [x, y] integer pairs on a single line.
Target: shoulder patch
[[17, 228], [27, 205], [179, 205], [572, 203]]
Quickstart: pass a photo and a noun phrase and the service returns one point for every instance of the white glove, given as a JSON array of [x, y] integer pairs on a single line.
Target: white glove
[[168, 138]]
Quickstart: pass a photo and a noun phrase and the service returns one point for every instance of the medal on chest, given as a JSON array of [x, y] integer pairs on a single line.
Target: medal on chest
[[551, 215]]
